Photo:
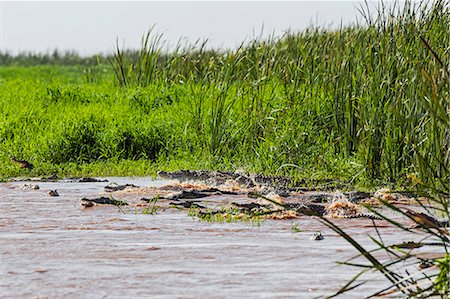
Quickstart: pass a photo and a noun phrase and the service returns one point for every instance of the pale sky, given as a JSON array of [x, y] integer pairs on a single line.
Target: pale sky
[[91, 27]]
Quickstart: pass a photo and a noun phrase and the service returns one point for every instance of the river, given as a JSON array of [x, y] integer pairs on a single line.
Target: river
[[53, 247]]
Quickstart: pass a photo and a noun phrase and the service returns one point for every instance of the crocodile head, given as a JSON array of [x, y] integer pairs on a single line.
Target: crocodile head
[[164, 174]]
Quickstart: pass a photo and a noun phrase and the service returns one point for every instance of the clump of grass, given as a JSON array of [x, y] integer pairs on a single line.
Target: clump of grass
[[138, 68], [225, 215], [79, 142], [94, 74], [295, 228], [152, 208]]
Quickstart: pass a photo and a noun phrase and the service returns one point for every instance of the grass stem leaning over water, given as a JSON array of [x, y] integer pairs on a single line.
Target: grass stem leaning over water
[[423, 124]]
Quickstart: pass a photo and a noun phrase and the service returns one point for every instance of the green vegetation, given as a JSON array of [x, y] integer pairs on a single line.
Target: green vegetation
[[55, 58], [227, 215], [152, 208], [364, 104], [295, 228], [405, 121], [399, 263]]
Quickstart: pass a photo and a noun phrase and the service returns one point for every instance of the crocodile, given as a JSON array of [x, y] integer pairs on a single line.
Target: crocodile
[[87, 202], [211, 177], [423, 220], [281, 182], [359, 215], [216, 191], [414, 245], [308, 209], [261, 185], [313, 209], [249, 206], [277, 184], [252, 208], [51, 178], [319, 210], [114, 187], [353, 197], [280, 185], [188, 204], [192, 194], [91, 180]]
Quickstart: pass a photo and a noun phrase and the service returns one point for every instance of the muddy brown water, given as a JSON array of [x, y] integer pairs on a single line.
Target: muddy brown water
[[53, 247]]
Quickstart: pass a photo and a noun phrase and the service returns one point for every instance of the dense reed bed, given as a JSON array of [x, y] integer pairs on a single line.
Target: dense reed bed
[[367, 103]]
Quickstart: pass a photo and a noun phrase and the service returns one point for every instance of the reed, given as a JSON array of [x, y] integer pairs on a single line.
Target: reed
[[415, 132], [361, 103]]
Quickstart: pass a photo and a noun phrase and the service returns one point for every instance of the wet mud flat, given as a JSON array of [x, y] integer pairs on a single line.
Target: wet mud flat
[[153, 241]]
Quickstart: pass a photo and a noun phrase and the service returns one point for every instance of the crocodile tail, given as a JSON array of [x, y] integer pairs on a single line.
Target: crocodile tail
[[360, 215], [368, 216]]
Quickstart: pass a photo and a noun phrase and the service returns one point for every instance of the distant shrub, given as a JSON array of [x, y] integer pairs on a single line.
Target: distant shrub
[[78, 142], [135, 143], [88, 141]]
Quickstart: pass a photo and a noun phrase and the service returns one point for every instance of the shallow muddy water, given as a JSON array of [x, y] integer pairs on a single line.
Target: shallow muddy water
[[53, 247]]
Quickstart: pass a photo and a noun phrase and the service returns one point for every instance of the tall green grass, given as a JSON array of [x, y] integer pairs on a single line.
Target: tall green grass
[[354, 103], [416, 131], [365, 92]]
